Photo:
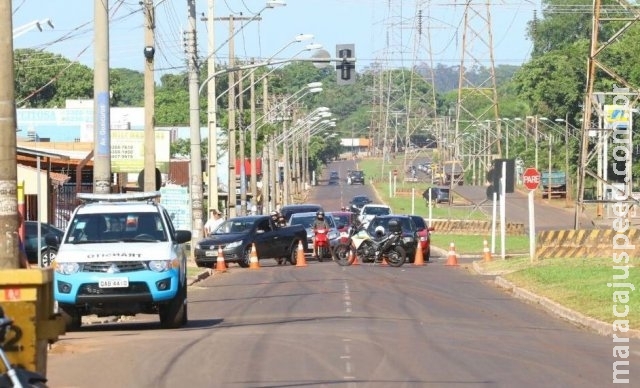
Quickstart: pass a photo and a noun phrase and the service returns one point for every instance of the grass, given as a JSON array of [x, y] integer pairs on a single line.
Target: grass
[[579, 284], [193, 271]]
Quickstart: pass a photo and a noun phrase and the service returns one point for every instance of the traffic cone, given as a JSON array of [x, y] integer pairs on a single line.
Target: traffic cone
[[419, 258], [452, 258], [486, 253], [355, 257], [253, 258], [221, 266], [301, 261]]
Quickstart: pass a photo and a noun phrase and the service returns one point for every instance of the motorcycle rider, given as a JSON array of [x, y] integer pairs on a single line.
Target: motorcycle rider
[[319, 223]]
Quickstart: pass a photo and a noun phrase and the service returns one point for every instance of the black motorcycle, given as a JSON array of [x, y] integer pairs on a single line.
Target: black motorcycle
[[360, 245], [15, 376]]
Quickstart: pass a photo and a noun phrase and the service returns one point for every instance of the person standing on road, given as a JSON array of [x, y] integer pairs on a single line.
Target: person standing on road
[[213, 222]]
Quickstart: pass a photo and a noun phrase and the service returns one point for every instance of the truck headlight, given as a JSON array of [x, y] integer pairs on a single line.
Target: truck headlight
[[159, 265], [66, 268]]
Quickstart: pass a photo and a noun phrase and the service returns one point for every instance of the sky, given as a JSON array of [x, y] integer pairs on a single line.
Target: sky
[[385, 32]]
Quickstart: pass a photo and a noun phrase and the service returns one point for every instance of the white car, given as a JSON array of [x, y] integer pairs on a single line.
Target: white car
[[371, 210]]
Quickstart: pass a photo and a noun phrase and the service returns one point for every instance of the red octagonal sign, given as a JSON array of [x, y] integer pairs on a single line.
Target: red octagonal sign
[[531, 178]]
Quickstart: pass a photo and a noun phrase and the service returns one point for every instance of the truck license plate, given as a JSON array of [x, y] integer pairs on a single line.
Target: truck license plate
[[114, 283]]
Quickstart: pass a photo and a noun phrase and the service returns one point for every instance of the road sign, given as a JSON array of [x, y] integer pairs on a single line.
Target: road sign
[[531, 178]]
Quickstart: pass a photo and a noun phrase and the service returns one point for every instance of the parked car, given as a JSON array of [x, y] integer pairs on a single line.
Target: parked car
[[237, 235], [288, 210], [439, 194], [424, 235], [409, 231], [358, 202], [307, 220], [371, 210], [32, 247], [121, 255]]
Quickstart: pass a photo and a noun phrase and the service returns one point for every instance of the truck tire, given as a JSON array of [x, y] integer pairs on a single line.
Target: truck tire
[[71, 317], [293, 254], [174, 313]]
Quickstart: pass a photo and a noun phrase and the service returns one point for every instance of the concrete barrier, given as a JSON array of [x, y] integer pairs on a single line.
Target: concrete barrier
[[474, 227], [585, 243]]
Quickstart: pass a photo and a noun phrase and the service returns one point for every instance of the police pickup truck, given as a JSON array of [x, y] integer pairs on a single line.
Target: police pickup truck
[[237, 235], [120, 255]]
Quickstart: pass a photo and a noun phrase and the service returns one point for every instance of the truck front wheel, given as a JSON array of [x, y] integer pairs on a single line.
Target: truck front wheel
[[174, 314]]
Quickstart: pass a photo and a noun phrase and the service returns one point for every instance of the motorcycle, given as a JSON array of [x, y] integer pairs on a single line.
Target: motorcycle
[[16, 377], [359, 244], [321, 239]]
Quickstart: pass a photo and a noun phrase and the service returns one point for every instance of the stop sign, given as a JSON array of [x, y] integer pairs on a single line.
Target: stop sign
[[531, 178]]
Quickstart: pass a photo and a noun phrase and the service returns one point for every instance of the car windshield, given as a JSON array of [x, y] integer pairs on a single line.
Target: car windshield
[[234, 226], [343, 219], [376, 211], [407, 225], [307, 220], [115, 227], [419, 221]]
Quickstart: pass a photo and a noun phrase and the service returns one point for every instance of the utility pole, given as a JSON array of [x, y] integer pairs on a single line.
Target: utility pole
[[101, 100], [212, 111], [149, 99], [253, 136], [194, 121], [243, 170], [8, 165], [232, 198]]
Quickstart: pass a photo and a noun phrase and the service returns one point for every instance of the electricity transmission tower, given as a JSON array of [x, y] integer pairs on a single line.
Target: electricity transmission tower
[[477, 89], [613, 109]]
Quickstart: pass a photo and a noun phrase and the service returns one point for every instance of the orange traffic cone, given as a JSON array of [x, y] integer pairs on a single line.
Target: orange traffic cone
[[355, 258], [486, 253], [419, 259], [221, 266], [452, 258], [301, 261], [253, 258]]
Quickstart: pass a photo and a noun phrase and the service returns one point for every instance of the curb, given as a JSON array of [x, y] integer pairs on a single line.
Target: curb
[[576, 318]]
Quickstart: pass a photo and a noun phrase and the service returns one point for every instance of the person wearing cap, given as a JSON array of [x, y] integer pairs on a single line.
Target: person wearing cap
[[213, 222]]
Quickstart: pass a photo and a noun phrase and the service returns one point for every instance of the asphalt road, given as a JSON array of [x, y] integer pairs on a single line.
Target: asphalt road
[[325, 325]]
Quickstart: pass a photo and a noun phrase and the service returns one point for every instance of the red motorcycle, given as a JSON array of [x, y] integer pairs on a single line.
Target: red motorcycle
[[321, 242]]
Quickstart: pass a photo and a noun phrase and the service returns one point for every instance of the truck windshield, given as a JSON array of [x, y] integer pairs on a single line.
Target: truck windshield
[[114, 227]]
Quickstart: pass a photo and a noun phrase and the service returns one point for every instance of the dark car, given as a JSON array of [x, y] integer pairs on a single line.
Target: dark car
[[343, 220], [288, 210], [438, 194], [47, 252], [356, 176], [409, 232], [237, 236], [334, 178], [424, 234], [358, 202]]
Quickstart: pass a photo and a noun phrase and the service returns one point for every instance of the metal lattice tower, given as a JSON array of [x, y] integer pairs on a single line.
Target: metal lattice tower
[[421, 109], [392, 83], [604, 126], [477, 53]]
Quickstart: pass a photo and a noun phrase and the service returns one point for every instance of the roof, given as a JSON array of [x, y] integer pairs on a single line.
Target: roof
[[40, 153], [56, 177]]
